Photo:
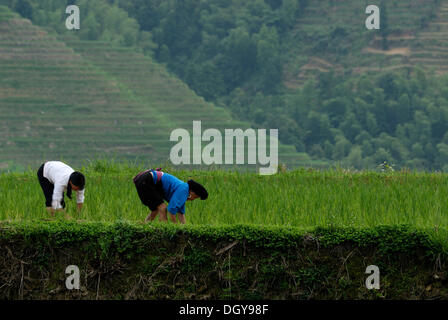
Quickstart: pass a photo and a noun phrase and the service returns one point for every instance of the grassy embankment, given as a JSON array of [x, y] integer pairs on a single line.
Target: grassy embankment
[[128, 261], [295, 235]]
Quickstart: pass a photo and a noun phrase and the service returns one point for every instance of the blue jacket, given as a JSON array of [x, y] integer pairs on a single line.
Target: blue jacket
[[176, 193]]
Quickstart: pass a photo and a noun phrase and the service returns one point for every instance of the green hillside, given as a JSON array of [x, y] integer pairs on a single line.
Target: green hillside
[[331, 35], [62, 97], [337, 92]]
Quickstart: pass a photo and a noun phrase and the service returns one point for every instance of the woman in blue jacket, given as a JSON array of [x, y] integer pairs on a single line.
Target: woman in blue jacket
[[155, 186]]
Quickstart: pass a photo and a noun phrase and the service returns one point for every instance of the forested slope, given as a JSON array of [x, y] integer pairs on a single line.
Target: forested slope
[[336, 91], [63, 97]]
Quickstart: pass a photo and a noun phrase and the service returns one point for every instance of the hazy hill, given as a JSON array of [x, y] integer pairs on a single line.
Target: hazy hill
[[337, 92], [330, 35], [61, 97]]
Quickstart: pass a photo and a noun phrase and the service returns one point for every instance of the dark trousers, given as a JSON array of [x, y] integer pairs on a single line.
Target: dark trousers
[[150, 194], [47, 188]]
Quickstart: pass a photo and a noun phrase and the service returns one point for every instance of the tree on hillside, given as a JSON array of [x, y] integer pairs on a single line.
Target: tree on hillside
[[268, 59], [91, 28], [24, 8], [179, 29], [240, 49], [289, 11], [384, 31]]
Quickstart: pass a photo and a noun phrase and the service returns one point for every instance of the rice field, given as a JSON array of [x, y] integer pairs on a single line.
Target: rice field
[[302, 198]]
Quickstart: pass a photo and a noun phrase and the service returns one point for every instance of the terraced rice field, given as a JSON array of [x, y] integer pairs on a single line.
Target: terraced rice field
[[410, 24], [64, 98], [299, 198]]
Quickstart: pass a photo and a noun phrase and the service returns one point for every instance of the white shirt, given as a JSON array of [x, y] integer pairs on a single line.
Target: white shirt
[[58, 173]]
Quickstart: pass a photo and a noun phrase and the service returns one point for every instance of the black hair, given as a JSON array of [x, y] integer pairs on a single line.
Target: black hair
[[198, 189], [78, 180]]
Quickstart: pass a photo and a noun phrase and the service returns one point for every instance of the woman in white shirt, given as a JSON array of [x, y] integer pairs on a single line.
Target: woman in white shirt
[[55, 178]]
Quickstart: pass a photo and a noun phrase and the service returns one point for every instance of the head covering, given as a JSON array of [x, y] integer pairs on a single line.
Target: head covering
[[198, 189]]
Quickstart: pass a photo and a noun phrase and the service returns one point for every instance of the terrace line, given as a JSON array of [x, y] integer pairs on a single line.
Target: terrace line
[[212, 153]]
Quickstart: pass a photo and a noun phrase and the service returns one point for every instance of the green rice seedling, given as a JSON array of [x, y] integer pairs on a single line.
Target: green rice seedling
[[300, 198]]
